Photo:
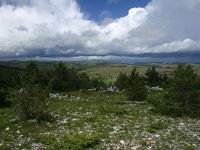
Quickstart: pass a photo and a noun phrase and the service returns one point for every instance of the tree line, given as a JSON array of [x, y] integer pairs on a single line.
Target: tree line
[[181, 95], [151, 78], [58, 77], [29, 88]]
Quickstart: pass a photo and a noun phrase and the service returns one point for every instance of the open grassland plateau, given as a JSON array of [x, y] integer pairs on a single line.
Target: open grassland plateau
[[110, 72], [114, 71], [93, 120]]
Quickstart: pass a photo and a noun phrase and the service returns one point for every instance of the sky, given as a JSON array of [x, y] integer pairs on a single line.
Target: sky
[[126, 30], [97, 10]]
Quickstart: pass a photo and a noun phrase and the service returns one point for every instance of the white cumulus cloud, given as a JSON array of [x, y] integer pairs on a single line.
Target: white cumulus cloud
[[49, 28]]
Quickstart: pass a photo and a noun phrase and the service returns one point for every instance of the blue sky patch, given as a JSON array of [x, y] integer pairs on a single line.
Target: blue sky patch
[[114, 8]]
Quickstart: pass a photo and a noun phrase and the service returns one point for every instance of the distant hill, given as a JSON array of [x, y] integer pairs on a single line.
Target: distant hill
[[102, 68]]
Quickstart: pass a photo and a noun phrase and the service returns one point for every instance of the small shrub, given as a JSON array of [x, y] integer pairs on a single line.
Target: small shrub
[[112, 110], [31, 102], [47, 140], [189, 148], [157, 126], [78, 142]]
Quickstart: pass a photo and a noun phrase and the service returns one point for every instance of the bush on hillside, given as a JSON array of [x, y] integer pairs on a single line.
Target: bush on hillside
[[153, 77], [136, 91], [97, 83], [65, 78], [183, 96], [122, 81], [31, 102]]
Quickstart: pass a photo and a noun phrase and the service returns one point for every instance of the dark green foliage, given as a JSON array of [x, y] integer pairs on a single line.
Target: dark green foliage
[[47, 140], [13, 78], [31, 102], [43, 79], [153, 77], [63, 78], [3, 101], [2, 97], [165, 80], [97, 83], [134, 85], [134, 75], [136, 91], [58, 78], [30, 75], [122, 81], [183, 96], [82, 141], [197, 81], [31, 68], [78, 142], [157, 126], [9, 77], [84, 81]]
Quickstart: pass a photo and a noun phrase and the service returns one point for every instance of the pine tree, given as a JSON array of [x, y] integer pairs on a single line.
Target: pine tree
[[153, 77], [183, 96], [136, 91], [122, 81]]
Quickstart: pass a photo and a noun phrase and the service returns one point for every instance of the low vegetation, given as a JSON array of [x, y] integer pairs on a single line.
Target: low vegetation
[[83, 121], [31, 102], [63, 108]]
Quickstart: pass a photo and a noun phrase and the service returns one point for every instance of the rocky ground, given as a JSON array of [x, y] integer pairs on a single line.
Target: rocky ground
[[99, 121]]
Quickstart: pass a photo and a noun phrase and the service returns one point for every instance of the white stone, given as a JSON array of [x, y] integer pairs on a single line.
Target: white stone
[[117, 128], [122, 142], [7, 129]]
